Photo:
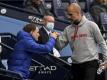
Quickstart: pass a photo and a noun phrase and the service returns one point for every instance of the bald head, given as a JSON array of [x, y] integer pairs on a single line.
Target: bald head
[[74, 12], [48, 18], [74, 7]]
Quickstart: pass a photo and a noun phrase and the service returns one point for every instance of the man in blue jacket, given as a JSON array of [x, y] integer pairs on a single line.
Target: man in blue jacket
[[27, 45]]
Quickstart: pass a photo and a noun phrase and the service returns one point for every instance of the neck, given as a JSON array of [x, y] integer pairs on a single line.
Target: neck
[[77, 22]]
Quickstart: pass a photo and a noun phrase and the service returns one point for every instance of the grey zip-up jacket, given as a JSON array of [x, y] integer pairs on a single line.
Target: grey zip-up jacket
[[83, 40]]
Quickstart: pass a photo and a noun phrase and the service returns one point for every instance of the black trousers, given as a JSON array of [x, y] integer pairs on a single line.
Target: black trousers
[[85, 71]]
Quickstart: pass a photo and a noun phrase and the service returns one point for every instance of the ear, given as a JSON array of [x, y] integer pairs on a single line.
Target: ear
[[31, 32], [43, 22]]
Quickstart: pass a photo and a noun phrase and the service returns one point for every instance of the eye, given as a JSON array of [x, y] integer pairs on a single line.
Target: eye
[[70, 14]]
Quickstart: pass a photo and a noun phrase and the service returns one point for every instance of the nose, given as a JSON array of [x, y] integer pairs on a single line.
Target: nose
[[68, 16]]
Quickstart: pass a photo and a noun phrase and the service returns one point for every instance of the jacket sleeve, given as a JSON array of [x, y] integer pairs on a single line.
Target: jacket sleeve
[[100, 40], [62, 40], [32, 46]]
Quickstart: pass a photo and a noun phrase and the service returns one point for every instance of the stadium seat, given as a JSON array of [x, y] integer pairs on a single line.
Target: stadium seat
[[9, 75], [88, 16], [82, 5], [72, 1], [103, 17], [88, 4], [103, 22], [59, 10]]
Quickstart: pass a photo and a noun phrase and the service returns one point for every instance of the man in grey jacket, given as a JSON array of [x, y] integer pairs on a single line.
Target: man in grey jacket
[[83, 36]]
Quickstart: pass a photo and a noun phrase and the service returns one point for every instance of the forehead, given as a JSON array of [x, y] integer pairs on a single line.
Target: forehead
[[49, 18], [71, 10]]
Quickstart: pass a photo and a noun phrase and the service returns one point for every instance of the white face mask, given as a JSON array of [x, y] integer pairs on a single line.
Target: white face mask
[[50, 26]]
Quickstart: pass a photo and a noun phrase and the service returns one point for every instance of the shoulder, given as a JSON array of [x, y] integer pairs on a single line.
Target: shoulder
[[69, 27], [93, 25]]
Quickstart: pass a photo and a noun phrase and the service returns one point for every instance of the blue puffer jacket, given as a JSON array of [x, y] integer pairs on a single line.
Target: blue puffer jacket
[[20, 59]]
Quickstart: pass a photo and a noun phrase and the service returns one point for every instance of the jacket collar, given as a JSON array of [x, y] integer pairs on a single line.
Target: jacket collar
[[83, 20]]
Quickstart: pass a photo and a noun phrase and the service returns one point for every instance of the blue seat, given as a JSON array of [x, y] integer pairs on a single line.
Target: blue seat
[[103, 22], [82, 5], [72, 1], [103, 18], [88, 4], [88, 16], [58, 9], [85, 4]]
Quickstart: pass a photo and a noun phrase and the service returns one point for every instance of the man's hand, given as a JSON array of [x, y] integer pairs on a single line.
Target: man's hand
[[54, 34], [58, 34], [104, 64]]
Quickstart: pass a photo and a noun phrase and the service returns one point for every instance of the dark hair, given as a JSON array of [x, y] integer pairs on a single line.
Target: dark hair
[[29, 27]]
